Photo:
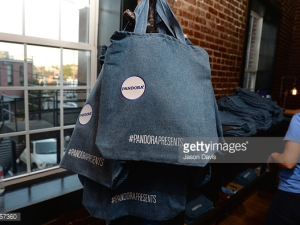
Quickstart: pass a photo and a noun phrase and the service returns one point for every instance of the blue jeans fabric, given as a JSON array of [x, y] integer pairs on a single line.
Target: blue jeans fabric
[[245, 109], [237, 106], [236, 113], [241, 126], [82, 155], [255, 100], [178, 100], [197, 205], [241, 174], [239, 133], [245, 177], [151, 191]]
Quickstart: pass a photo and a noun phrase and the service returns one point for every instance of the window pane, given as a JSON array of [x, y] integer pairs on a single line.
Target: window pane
[[43, 112], [53, 81], [9, 74], [253, 46], [73, 103], [42, 18], [109, 20], [75, 20], [11, 111], [76, 67], [21, 75], [45, 62], [11, 64], [11, 12], [249, 81], [67, 135], [44, 150], [10, 151]]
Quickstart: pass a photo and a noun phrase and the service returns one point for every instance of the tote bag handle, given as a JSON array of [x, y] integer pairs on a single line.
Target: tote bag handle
[[164, 12]]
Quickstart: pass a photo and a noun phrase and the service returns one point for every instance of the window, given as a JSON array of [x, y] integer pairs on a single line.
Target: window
[[4, 115], [253, 47], [48, 53], [9, 75], [21, 75]]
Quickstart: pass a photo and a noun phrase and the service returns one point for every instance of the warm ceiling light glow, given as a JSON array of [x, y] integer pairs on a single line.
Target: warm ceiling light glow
[[294, 91]]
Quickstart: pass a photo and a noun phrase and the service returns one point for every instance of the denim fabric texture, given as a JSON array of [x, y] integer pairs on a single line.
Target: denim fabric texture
[[151, 191], [101, 58], [197, 204], [246, 112], [178, 100], [241, 175], [230, 119], [240, 126], [255, 100], [245, 177], [82, 155], [236, 105]]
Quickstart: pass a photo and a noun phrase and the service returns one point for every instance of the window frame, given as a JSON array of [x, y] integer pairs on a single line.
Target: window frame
[[91, 46], [256, 50], [21, 75], [11, 82]]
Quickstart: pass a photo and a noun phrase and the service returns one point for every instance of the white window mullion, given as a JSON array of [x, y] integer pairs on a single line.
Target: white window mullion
[[253, 48], [93, 37], [15, 38], [249, 44], [28, 153], [26, 109], [23, 17], [62, 142], [59, 21], [61, 97]]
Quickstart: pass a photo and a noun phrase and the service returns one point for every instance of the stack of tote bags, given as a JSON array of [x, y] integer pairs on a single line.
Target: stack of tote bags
[[246, 112], [153, 91]]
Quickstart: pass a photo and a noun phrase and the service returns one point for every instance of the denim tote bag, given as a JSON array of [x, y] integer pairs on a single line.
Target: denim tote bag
[[152, 191], [156, 91], [197, 205], [82, 155]]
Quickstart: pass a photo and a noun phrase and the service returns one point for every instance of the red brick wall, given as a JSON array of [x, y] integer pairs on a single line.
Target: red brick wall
[[219, 26]]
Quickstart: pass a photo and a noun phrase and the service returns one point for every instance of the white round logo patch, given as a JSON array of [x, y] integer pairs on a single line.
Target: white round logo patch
[[133, 88], [85, 114]]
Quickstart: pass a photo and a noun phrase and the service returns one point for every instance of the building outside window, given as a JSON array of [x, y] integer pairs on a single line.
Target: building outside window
[[21, 76], [48, 65], [9, 75]]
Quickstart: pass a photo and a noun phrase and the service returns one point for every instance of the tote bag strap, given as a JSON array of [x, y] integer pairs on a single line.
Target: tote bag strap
[[166, 15], [170, 20], [141, 16]]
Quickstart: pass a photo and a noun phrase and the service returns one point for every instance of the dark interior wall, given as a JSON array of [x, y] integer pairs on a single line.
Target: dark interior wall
[[268, 45], [294, 63], [111, 19], [271, 13], [126, 4], [286, 54], [280, 48]]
